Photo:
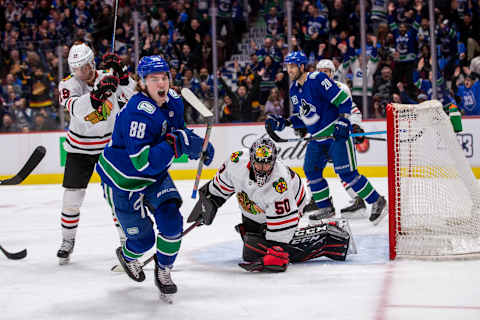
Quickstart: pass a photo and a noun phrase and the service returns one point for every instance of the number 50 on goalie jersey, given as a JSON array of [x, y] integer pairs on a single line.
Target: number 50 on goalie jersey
[[278, 203]]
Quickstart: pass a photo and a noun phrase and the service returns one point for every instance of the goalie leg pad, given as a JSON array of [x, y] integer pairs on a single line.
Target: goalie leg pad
[[320, 240]]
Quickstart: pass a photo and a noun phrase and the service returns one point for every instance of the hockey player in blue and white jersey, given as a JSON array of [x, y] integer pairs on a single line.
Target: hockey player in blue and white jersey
[[322, 108], [149, 133], [357, 206]]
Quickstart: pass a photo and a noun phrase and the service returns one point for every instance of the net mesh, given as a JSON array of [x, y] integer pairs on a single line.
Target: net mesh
[[436, 207]]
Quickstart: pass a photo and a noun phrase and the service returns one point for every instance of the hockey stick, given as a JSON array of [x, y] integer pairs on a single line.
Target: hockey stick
[[28, 167], [114, 26], [118, 268], [14, 255], [208, 115], [277, 138]]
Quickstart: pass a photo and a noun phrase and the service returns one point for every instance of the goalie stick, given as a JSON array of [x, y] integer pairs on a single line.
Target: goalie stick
[[277, 138], [31, 164], [14, 255], [208, 115], [118, 268]]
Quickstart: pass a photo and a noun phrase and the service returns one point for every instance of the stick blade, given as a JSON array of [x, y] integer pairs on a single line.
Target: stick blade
[[14, 255], [29, 166], [196, 103]]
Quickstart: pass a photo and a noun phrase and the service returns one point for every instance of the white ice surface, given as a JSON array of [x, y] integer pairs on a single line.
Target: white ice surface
[[210, 284]]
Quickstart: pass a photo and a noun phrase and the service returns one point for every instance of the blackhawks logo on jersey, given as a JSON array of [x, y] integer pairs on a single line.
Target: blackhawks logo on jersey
[[280, 186], [95, 116], [235, 156], [247, 204]]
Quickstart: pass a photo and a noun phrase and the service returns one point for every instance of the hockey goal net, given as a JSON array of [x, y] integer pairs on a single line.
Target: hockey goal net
[[434, 198]]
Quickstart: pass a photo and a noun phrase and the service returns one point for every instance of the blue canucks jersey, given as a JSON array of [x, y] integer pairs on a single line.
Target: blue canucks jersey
[[470, 99], [138, 154], [317, 104]]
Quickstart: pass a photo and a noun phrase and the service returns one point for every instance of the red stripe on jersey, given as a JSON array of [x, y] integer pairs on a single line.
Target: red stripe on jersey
[[69, 102], [300, 199], [223, 187], [70, 221], [87, 143], [282, 222]]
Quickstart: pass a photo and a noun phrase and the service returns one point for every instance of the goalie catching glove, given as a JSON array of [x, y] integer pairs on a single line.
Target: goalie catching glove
[[206, 207], [274, 260]]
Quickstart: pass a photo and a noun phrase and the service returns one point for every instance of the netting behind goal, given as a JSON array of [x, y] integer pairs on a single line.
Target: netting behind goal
[[434, 198]]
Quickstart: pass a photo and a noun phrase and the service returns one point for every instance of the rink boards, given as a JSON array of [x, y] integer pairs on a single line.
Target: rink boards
[[372, 156]]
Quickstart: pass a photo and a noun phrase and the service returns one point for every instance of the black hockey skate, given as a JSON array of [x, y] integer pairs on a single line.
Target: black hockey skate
[[133, 268], [311, 206], [379, 210], [164, 283], [323, 213], [355, 209], [65, 250]]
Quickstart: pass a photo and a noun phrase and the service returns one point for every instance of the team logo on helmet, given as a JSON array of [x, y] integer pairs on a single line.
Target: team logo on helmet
[[263, 153], [280, 186], [235, 156]]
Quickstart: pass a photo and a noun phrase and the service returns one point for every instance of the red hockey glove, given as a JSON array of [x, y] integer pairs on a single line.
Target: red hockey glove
[[275, 260]]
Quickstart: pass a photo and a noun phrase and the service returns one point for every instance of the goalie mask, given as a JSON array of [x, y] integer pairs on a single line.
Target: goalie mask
[[263, 154]]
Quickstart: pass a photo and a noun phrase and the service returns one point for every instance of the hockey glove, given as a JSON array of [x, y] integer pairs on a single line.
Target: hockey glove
[[275, 260], [104, 89], [342, 129], [209, 153], [357, 129], [185, 142], [276, 123], [113, 61], [300, 132], [206, 207]]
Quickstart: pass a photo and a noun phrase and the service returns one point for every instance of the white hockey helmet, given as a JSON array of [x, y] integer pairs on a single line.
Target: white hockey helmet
[[326, 64], [80, 55]]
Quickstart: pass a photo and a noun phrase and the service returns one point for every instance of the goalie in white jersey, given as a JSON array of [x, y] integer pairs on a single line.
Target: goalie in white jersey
[[271, 198], [92, 99]]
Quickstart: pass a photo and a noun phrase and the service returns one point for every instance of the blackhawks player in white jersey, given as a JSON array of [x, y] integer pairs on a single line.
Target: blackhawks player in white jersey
[[92, 99], [322, 109], [149, 133], [271, 198], [357, 206]]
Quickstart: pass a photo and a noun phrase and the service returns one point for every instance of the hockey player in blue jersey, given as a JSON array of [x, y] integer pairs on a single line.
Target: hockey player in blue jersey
[[149, 133], [322, 109]]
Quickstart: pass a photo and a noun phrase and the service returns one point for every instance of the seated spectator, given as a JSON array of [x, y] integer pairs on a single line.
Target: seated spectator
[[42, 122], [274, 103], [382, 92], [8, 124], [22, 115]]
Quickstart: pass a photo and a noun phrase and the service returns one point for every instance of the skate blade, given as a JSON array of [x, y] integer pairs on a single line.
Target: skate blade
[[63, 261], [380, 218], [167, 298], [357, 214], [117, 268]]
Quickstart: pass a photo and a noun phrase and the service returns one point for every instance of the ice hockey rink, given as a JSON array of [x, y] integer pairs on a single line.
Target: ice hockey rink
[[210, 284]]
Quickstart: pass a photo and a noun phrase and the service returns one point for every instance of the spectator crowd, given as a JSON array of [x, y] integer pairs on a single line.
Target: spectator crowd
[[35, 37]]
